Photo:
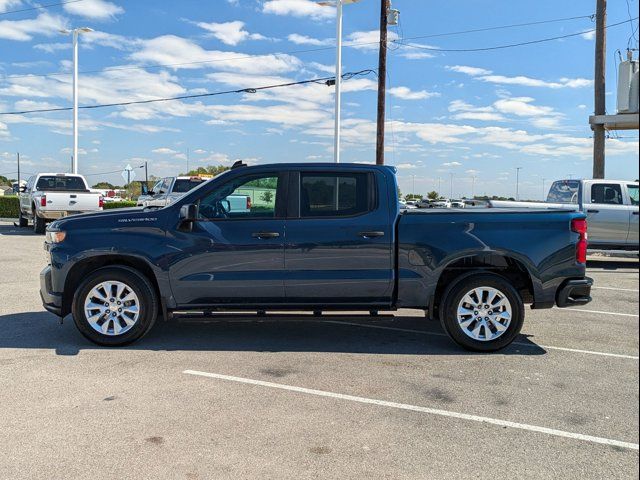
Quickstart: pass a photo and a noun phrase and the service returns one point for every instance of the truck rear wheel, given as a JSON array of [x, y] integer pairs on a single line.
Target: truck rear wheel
[[39, 224], [482, 312], [115, 306]]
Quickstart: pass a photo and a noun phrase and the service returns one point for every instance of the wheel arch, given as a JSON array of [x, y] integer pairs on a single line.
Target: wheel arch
[[88, 265], [500, 263]]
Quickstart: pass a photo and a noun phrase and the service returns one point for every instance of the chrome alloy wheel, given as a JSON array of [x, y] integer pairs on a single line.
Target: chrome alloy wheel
[[484, 313], [112, 308]]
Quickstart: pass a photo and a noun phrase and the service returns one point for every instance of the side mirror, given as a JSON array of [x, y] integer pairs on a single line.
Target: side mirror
[[189, 212], [22, 189]]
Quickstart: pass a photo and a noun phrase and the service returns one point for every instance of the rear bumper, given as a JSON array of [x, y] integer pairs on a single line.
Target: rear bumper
[[574, 292], [51, 301]]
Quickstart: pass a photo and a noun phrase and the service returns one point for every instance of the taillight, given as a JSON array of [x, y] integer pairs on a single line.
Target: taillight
[[43, 201], [579, 225], [100, 202], [248, 203]]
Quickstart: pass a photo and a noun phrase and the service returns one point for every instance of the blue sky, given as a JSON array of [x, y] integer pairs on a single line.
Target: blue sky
[[472, 114]]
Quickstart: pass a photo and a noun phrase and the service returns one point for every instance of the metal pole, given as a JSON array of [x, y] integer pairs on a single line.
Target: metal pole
[[146, 173], [18, 153], [518, 183], [75, 102], [599, 89], [382, 82], [336, 146]]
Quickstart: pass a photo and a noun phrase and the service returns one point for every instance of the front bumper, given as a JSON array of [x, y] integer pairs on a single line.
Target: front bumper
[[51, 301], [574, 292]]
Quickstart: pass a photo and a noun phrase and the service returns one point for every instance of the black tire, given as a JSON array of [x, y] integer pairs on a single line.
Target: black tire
[[454, 295], [22, 220], [139, 284], [39, 224]]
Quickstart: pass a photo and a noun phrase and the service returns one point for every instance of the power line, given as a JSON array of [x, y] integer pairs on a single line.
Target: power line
[[326, 81], [41, 7], [307, 50], [511, 45]]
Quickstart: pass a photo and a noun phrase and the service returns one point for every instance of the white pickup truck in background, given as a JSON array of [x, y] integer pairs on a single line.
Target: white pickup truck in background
[[611, 207], [48, 196]]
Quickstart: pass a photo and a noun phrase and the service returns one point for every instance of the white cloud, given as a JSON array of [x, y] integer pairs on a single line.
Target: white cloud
[[473, 71], [52, 47], [406, 166], [405, 93], [24, 30], [589, 35], [305, 40], [171, 49], [230, 33], [94, 9], [298, 8], [164, 151], [521, 80], [367, 40], [452, 164], [8, 4]]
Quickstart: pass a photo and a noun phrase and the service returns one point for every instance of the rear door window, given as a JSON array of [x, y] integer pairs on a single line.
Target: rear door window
[[607, 194], [633, 194], [334, 195]]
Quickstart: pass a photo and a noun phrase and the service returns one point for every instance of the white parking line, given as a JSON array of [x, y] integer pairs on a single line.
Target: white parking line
[[520, 344], [600, 312], [616, 289], [416, 408]]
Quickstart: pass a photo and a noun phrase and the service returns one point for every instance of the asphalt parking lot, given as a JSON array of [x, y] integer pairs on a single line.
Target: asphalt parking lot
[[293, 396]]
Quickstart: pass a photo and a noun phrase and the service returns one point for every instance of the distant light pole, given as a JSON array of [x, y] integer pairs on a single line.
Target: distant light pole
[[473, 187], [451, 195], [518, 182], [75, 33], [338, 4]]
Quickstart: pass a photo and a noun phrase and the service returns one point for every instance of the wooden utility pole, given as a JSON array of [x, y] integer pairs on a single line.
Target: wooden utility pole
[[599, 88], [382, 81]]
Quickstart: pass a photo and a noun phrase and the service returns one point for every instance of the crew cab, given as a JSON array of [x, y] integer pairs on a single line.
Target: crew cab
[[611, 207], [324, 237], [48, 196]]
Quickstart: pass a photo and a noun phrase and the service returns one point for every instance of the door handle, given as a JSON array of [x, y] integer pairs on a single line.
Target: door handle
[[265, 235], [593, 211], [371, 234]]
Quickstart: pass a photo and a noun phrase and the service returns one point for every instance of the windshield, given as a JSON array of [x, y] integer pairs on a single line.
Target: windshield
[[183, 185], [61, 183], [564, 191]]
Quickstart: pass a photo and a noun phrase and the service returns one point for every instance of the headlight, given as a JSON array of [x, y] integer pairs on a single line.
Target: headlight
[[55, 237]]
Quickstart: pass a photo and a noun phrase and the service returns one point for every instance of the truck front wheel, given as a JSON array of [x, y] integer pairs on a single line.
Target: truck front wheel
[[115, 306], [482, 312]]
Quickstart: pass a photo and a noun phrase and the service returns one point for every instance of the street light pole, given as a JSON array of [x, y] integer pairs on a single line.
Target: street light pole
[[338, 95], [518, 183], [338, 4], [451, 192], [75, 33]]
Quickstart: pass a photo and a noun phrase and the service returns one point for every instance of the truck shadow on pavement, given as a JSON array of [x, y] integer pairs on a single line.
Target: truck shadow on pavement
[[10, 230], [273, 333]]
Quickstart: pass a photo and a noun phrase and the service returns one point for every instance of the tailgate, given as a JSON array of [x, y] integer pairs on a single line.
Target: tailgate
[[72, 202]]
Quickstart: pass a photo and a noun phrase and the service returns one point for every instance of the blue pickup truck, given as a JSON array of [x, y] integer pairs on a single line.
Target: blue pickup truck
[[317, 237]]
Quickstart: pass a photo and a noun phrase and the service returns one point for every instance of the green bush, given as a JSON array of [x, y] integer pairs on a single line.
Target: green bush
[[9, 206], [124, 204]]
